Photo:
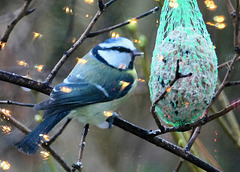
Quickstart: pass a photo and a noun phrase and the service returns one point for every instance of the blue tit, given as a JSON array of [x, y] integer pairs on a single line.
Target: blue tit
[[99, 82]]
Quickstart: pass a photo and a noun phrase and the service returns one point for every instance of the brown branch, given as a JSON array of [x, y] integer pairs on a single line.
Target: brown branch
[[76, 44], [92, 34], [26, 130], [10, 26], [9, 102], [25, 82]]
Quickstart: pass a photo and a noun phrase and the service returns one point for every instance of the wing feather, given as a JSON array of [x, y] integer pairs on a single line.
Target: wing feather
[[80, 94]]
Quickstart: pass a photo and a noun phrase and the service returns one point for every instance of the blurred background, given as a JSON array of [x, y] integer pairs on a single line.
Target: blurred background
[[40, 39]]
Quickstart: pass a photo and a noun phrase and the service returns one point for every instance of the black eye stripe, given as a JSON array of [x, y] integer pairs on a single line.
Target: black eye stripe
[[120, 49]]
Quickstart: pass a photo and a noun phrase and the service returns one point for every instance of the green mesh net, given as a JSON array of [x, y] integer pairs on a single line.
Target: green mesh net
[[182, 35]]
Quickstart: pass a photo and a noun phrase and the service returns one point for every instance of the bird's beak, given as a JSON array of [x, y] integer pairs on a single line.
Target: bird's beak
[[137, 52]]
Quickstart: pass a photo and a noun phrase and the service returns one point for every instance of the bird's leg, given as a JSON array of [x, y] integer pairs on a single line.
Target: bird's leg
[[111, 119]]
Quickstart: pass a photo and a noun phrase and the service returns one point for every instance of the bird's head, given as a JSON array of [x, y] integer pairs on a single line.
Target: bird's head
[[119, 53]]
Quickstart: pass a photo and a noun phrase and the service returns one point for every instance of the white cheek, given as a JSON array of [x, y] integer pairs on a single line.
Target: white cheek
[[116, 59]]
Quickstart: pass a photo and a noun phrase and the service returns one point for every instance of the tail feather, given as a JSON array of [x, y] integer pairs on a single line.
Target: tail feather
[[31, 143]]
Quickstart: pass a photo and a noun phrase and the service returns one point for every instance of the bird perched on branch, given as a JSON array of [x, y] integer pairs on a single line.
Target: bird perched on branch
[[98, 83]]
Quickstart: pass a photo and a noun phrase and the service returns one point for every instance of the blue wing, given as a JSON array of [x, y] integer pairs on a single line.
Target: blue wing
[[65, 97], [75, 92]]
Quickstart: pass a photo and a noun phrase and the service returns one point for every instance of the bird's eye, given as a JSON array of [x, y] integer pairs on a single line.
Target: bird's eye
[[121, 49]]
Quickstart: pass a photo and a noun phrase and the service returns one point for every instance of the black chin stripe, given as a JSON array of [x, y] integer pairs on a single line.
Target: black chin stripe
[[95, 54]]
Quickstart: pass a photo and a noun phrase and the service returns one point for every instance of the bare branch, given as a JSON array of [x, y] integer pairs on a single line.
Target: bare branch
[[227, 63], [25, 82], [109, 3], [193, 138], [16, 103], [92, 34], [14, 122], [10, 26], [231, 83], [78, 166]]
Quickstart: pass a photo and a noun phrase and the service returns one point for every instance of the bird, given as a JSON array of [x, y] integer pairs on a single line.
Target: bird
[[97, 85]]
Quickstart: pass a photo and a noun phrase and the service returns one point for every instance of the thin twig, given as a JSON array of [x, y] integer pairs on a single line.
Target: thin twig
[[16, 103], [82, 144], [227, 63], [222, 86], [10, 26], [92, 34], [179, 165], [8, 117], [193, 138], [75, 45], [109, 3], [59, 132], [178, 75], [26, 130], [231, 83]]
